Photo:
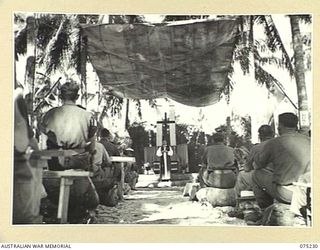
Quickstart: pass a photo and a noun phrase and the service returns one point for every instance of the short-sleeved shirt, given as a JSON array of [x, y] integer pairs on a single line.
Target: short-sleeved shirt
[[290, 155], [69, 124], [218, 156], [253, 152]]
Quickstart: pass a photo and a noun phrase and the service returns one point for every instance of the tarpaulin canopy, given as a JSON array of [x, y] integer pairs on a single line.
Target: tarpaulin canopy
[[188, 63]]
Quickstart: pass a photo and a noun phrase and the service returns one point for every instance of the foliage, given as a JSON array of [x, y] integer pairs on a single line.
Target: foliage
[[182, 133], [273, 40], [59, 46], [235, 139], [140, 139], [254, 54]]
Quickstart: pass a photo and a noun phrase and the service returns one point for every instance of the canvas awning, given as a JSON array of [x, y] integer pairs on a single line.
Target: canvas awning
[[188, 63]]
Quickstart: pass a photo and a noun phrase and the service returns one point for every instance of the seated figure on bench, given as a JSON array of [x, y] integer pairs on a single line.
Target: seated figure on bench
[[106, 176], [28, 189], [290, 154], [218, 168], [244, 178], [71, 127], [131, 171]]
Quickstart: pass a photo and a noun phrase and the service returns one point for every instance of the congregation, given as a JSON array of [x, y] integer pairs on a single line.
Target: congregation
[[269, 169]]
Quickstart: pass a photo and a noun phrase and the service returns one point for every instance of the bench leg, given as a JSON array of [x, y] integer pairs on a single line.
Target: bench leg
[[121, 186], [65, 184]]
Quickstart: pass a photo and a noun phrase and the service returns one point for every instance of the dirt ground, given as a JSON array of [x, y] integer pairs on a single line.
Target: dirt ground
[[164, 205]]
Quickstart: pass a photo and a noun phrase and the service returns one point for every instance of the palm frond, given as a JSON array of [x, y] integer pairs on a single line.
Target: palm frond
[[20, 43], [273, 40], [263, 77], [75, 49], [59, 47], [47, 27], [242, 55]]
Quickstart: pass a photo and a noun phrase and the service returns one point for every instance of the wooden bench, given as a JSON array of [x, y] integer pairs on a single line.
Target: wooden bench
[[66, 178], [122, 160]]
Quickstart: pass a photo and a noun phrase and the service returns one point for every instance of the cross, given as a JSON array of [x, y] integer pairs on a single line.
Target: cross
[[165, 122]]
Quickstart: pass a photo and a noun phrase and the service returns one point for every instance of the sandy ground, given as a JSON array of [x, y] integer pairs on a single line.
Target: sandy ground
[[163, 206]]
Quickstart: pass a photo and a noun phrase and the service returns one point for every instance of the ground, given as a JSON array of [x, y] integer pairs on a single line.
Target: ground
[[164, 205]]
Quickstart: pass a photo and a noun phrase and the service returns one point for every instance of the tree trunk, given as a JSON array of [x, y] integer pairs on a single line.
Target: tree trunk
[[299, 74], [31, 61], [127, 122], [228, 132]]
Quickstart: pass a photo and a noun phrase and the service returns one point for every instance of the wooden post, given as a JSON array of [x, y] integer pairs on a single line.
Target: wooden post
[[62, 214], [228, 132], [83, 68], [127, 121], [121, 186]]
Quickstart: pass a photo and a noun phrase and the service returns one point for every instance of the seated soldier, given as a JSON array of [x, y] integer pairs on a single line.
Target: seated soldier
[[130, 169], [218, 168], [109, 146], [289, 154], [71, 127], [105, 176], [244, 179], [28, 189]]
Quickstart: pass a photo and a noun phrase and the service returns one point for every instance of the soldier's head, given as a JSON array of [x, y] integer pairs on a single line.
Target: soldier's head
[[69, 91], [105, 133], [265, 132], [218, 137], [287, 122]]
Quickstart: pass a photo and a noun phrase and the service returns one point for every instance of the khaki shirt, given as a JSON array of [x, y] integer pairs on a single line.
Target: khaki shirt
[[218, 156], [290, 155], [67, 126]]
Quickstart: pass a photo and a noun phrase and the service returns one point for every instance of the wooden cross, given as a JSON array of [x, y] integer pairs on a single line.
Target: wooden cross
[[165, 124]]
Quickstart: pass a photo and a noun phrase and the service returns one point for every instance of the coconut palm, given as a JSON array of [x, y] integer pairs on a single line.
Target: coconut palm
[[60, 48], [299, 66], [274, 43]]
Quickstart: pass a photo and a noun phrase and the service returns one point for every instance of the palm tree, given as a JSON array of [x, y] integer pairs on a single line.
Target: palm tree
[[299, 66], [56, 43], [247, 45]]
